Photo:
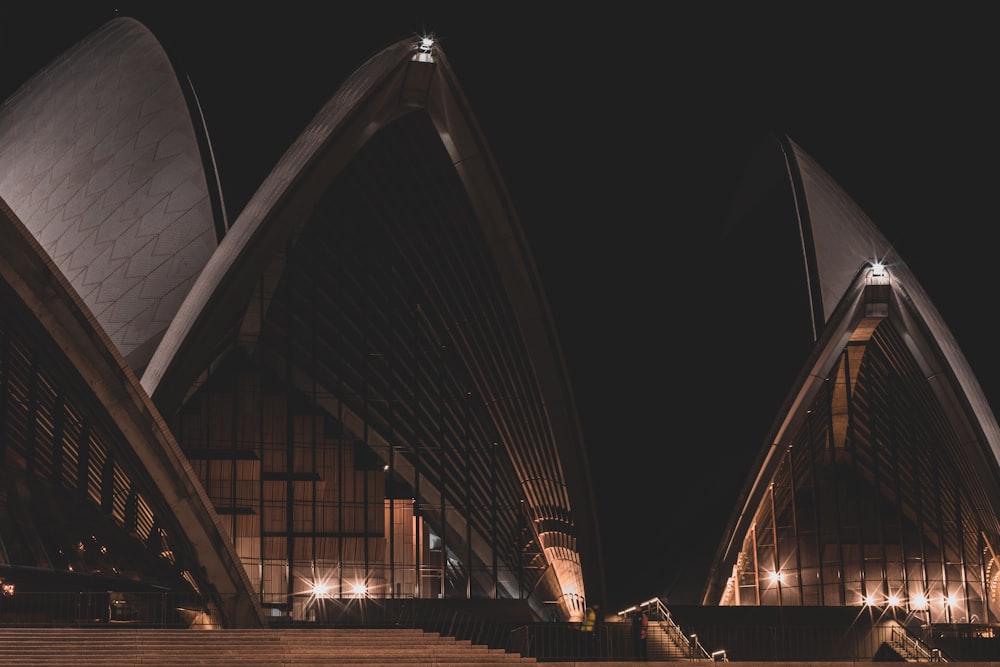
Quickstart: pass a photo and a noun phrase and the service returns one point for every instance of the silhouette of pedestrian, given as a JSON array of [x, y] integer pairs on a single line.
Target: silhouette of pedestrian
[[588, 627], [640, 630]]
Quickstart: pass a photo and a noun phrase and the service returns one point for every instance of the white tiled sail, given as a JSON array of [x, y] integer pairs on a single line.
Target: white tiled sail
[[99, 159]]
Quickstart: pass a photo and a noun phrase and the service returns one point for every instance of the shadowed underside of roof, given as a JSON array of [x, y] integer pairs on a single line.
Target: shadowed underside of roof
[[72, 398]]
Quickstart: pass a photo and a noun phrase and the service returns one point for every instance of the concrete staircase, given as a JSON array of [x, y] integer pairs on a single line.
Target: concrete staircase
[[331, 647]]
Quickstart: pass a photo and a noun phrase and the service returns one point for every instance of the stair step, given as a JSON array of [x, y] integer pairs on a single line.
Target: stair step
[[300, 647]]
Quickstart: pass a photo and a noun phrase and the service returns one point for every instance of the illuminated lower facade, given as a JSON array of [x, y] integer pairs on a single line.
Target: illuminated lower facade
[[879, 485], [868, 505], [312, 507]]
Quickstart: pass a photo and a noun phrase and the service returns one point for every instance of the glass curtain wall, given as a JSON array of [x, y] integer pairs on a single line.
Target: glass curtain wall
[[872, 503], [341, 434]]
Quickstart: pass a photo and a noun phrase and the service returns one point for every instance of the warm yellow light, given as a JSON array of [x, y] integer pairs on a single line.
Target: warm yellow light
[[321, 590], [775, 577], [359, 590]]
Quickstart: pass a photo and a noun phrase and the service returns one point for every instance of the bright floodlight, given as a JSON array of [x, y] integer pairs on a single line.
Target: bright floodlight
[[869, 600], [893, 600], [951, 600], [320, 590], [878, 269], [775, 577], [919, 601], [424, 50], [359, 589]]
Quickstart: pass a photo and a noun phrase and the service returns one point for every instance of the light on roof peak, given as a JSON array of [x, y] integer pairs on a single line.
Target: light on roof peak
[[425, 49]]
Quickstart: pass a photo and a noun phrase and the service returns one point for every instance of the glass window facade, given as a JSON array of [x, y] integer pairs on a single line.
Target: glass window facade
[[873, 501]]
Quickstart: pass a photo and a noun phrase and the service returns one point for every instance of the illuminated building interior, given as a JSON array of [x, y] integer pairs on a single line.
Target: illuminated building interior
[[339, 432], [878, 486]]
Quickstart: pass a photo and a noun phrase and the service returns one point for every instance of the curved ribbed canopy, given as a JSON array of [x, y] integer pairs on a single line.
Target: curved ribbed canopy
[[85, 376], [389, 202]]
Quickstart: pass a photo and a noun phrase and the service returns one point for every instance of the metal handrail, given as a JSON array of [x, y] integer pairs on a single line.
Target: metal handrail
[[914, 647], [658, 611]]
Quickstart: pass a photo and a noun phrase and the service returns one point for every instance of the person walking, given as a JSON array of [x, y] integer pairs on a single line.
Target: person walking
[[588, 627], [640, 630]]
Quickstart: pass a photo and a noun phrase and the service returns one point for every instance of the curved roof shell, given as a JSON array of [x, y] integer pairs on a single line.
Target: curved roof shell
[[397, 151], [840, 239], [857, 308], [100, 159]]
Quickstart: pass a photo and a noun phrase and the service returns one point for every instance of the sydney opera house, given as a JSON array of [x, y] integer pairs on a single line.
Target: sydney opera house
[[354, 387]]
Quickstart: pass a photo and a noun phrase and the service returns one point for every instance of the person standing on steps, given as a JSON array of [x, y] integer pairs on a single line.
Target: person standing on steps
[[588, 628], [640, 630]]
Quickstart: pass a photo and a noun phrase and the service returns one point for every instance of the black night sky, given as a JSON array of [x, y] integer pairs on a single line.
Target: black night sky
[[622, 132]]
